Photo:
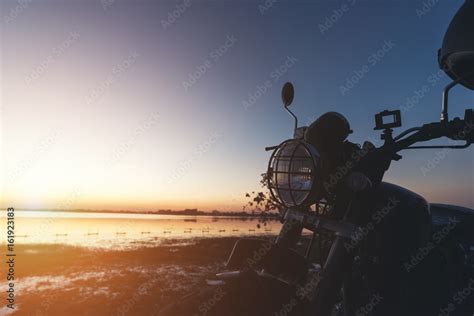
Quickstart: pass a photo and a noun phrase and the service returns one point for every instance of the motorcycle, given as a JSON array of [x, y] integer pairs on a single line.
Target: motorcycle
[[373, 248]]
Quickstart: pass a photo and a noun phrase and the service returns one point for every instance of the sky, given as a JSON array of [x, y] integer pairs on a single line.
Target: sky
[[119, 104]]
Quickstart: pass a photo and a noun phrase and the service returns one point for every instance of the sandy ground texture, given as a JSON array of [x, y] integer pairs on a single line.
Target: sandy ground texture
[[65, 280]]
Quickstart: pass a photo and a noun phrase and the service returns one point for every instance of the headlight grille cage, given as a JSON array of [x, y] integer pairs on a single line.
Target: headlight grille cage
[[292, 171]]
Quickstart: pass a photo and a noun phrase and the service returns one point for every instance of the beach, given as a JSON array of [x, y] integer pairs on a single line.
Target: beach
[[72, 263], [66, 280]]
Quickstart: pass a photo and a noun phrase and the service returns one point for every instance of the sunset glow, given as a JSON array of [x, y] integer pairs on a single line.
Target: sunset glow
[[115, 106]]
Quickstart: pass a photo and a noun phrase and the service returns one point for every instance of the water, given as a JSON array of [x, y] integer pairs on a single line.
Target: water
[[118, 231]]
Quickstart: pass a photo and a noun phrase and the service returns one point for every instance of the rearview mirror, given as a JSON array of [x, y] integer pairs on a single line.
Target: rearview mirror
[[287, 94], [456, 56]]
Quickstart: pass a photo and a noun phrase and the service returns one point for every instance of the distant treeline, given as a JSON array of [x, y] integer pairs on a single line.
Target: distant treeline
[[186, 212], [195, 211]]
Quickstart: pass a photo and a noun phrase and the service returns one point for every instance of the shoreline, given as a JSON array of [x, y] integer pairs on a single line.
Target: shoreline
[[161, 212]]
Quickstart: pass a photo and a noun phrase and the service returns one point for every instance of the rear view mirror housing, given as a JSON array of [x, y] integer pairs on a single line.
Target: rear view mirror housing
[[456, 56]]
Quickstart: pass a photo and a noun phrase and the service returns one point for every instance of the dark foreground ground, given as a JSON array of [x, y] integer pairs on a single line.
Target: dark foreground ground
[[65, 280]]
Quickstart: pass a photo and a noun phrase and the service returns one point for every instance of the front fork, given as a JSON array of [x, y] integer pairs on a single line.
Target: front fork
[[338, 263], [336, 269], [290, 233]]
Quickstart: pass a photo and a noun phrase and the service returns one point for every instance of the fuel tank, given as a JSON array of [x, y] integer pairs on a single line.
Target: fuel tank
[[401, 220], [444, 214], [418, 254], [453, 235], [398, 227]]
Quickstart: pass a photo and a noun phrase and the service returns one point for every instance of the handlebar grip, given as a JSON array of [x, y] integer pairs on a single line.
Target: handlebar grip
[[463, 129], [271, 148]]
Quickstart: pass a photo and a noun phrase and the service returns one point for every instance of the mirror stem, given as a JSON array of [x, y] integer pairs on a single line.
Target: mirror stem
[[444, 107], [294, 116]]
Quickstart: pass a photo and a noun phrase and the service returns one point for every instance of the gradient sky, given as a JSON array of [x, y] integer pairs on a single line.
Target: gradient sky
[[144, 105]]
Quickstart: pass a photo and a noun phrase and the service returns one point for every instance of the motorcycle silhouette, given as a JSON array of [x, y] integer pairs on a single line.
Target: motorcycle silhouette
[[374, 248]]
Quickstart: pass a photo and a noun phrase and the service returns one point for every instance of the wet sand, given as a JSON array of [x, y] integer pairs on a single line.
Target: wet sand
[[68, 280]]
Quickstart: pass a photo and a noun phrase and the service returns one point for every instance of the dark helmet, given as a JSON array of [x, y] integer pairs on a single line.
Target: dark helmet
[[328, 132]]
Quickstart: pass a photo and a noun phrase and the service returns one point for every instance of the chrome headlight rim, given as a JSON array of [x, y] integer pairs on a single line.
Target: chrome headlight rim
[[312, 155]]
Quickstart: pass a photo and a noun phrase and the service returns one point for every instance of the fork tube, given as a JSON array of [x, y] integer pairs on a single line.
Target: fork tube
[[334, 272], [290, 233]]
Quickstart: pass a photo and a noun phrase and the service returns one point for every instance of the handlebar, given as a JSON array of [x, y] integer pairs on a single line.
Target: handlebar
[[456, 129]]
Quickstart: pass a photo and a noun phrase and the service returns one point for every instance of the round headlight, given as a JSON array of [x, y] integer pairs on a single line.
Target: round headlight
[[292, 172]]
